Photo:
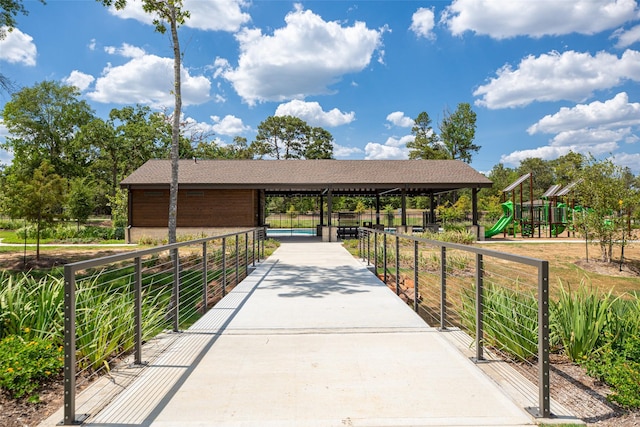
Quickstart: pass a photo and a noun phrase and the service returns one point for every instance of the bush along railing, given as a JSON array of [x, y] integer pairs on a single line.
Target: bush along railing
[[113, 305], [501, 301]]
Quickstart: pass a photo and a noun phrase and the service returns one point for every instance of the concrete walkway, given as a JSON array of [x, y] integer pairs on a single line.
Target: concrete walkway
[[311, 338]]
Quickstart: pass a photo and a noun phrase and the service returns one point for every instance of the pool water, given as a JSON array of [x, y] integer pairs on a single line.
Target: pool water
[[274, 232]]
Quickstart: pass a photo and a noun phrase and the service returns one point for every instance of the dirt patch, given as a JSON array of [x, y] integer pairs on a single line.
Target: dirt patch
[[20, 413], [630, 268]]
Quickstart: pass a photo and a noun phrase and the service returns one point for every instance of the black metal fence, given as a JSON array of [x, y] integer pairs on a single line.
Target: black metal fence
[[499, 300], [115, 304]]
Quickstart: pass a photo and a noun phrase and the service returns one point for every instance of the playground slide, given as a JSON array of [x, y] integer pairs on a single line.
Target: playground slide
[[503, 222]]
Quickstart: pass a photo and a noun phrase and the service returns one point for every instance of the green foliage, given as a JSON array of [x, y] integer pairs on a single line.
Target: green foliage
[[510, 319], [607, 191], [426, 143], [289, 137], [80, 203], [579, 320], [452, 236], [70, 234], [43, 121], [26, 365], [31, 307], [618, 365], [457, 131], [118, 204]]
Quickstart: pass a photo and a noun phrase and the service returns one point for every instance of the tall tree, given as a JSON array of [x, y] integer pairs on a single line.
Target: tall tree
[[457, 132], [43, 122], [319, 144], [606, 191], [426, 143], [38, 198], [289, 137], [169, 12]]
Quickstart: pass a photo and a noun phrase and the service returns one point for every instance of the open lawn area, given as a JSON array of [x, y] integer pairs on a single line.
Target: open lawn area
[[567, 263]]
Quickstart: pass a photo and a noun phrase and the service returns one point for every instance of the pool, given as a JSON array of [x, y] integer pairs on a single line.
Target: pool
[[275, 232]]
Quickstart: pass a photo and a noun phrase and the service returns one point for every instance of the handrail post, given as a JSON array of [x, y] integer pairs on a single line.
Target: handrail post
[[416, 264], [205, 279], [237, 260], [253, 247], [368, 248], [397, 265], [384, 256], [543, 339], [375, 252], [443, 288], [224, 266], [246, 254], [176, 290], [479, 308], [69, 346], [137, 310]]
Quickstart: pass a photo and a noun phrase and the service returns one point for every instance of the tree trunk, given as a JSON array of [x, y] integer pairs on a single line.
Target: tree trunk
[[175, 128]]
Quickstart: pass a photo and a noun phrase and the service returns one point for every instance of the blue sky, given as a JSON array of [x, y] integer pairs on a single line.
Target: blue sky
[[544, 77]]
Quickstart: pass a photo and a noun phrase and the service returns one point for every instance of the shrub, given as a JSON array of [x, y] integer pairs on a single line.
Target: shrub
[[579, 320], [26, 365]]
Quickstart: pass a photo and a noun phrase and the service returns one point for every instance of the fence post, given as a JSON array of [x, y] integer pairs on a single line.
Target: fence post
[[397, 265], [253, 247], [375, 252], [137, 310], [479, 308], [224, 266], [246, 254], [384, 256], [69, 347], [443, 288], [368, 248], [176, 289], [543, 339], [237, 260], [416, 264], [205, 279]]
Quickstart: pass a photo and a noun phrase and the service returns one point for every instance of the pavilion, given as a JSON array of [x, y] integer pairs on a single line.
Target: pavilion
[[230, 194]]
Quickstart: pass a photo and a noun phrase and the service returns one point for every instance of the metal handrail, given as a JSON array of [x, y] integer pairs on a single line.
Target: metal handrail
[[481, 255], [258, 235]]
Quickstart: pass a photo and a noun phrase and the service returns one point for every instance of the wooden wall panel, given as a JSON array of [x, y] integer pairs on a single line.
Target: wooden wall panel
[[196, 208]]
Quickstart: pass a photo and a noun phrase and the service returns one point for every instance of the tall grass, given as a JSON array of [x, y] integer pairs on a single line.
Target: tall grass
[[579, 319], [34, 308], [510, 320]]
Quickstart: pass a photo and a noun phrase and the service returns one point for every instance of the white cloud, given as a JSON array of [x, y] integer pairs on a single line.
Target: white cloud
[[312, 113], [17, 48], [214, 15], [217, 15], [303, 58], [392, 149], [342, 152], [229, 125], [628, 37], [552, 77], [79, 79], [126, 50], [613, 113], [397, 118], [422, 23], [589, 137], [501, 19], [628, 160], [148, 79]]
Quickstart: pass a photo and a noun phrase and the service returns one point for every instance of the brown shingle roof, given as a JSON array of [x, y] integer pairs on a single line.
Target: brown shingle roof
[[352, 176]]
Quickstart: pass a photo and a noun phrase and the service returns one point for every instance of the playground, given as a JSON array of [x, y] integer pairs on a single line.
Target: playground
[[550, 216]]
